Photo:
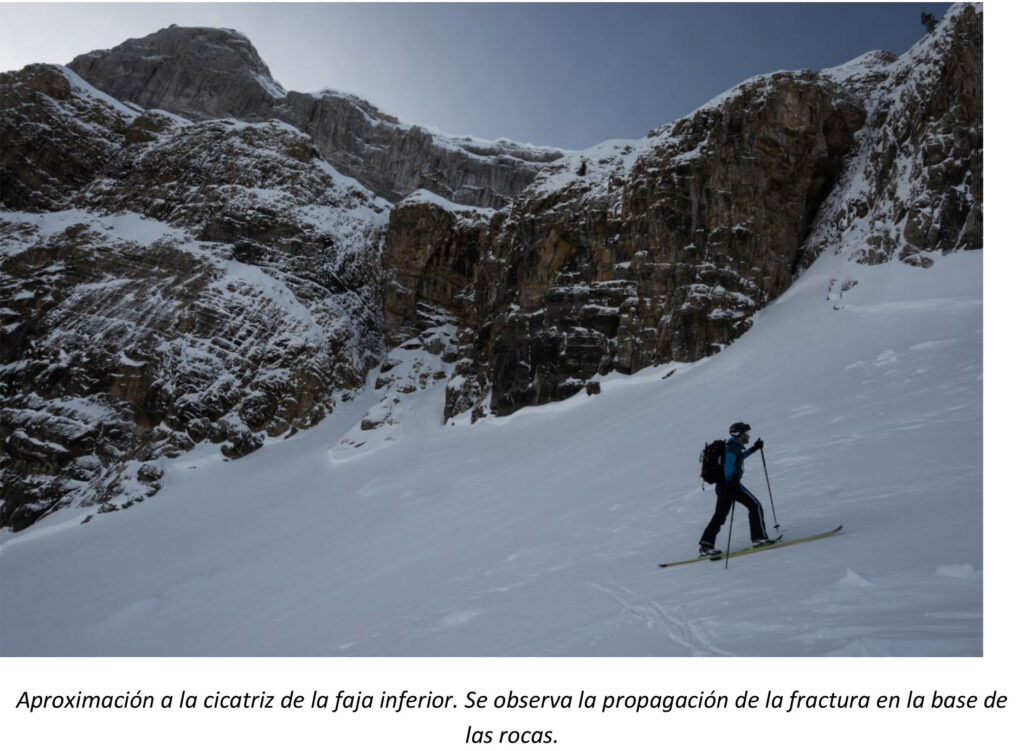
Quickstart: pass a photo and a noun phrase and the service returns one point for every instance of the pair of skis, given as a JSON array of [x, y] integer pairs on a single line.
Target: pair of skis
[[748, 551]]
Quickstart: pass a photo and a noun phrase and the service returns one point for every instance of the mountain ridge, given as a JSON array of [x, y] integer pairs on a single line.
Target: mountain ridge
[[206, 73]]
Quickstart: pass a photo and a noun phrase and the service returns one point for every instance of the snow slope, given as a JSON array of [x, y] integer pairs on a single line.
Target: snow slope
[[539, 533]]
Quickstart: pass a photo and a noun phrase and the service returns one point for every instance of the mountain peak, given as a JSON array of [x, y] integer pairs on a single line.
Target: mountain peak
[[198, 71]]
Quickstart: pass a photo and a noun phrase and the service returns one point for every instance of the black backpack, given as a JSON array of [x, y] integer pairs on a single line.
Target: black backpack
[[712, 462]]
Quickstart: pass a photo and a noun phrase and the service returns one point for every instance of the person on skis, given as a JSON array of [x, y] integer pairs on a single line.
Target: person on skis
[[729, 490]]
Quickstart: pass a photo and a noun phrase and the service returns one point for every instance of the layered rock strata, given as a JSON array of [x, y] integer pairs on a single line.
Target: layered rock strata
[[166, 283]]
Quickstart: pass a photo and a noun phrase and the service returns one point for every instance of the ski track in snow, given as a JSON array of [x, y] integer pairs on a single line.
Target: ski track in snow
[[539, 533], [681, 630]]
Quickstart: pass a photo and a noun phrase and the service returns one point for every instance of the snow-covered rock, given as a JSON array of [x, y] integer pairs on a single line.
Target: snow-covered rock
[[167, 283], [914, 183]]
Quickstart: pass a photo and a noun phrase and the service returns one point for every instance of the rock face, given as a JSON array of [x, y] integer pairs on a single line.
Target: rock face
[[639, 252], [655, 250], [195, 72], [190, 254], [210, 73], [396, 160], [430, 252], [167, 283]]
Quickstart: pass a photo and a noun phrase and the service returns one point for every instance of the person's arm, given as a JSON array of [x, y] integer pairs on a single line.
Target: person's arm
[[730, 462]]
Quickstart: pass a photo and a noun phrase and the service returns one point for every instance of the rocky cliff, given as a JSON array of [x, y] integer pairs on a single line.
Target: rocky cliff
[[209, 73], [166, 283], [638, 252], [190, 254], [655, 250]]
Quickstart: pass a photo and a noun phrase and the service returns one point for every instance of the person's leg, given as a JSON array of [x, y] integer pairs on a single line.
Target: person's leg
[[722, 506], [757, 529]]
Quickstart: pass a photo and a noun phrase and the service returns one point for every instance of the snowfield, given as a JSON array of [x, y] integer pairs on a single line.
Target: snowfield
[[540, 533]]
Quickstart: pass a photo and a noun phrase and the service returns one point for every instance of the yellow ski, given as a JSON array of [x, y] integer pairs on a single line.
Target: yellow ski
[[747, 551]]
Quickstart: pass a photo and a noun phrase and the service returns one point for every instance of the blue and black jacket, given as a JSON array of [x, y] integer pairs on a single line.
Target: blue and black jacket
[[734, 456]]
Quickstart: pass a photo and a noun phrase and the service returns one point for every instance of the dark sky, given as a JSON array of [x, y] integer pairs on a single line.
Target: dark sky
[[568, 75]]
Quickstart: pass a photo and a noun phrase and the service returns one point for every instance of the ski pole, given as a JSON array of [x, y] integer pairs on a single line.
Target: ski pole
[[763, 462], [728, 545]]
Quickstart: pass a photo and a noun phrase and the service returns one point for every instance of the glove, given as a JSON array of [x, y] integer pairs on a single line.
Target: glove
[[758, 444]]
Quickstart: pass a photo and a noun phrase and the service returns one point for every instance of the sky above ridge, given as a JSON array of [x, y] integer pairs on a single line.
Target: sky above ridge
[[568, 75]]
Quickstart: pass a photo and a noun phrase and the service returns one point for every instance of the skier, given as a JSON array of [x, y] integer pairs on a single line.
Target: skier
[[729, 491]]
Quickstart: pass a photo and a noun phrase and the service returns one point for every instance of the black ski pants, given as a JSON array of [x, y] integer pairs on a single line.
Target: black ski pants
[[729, 492]]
